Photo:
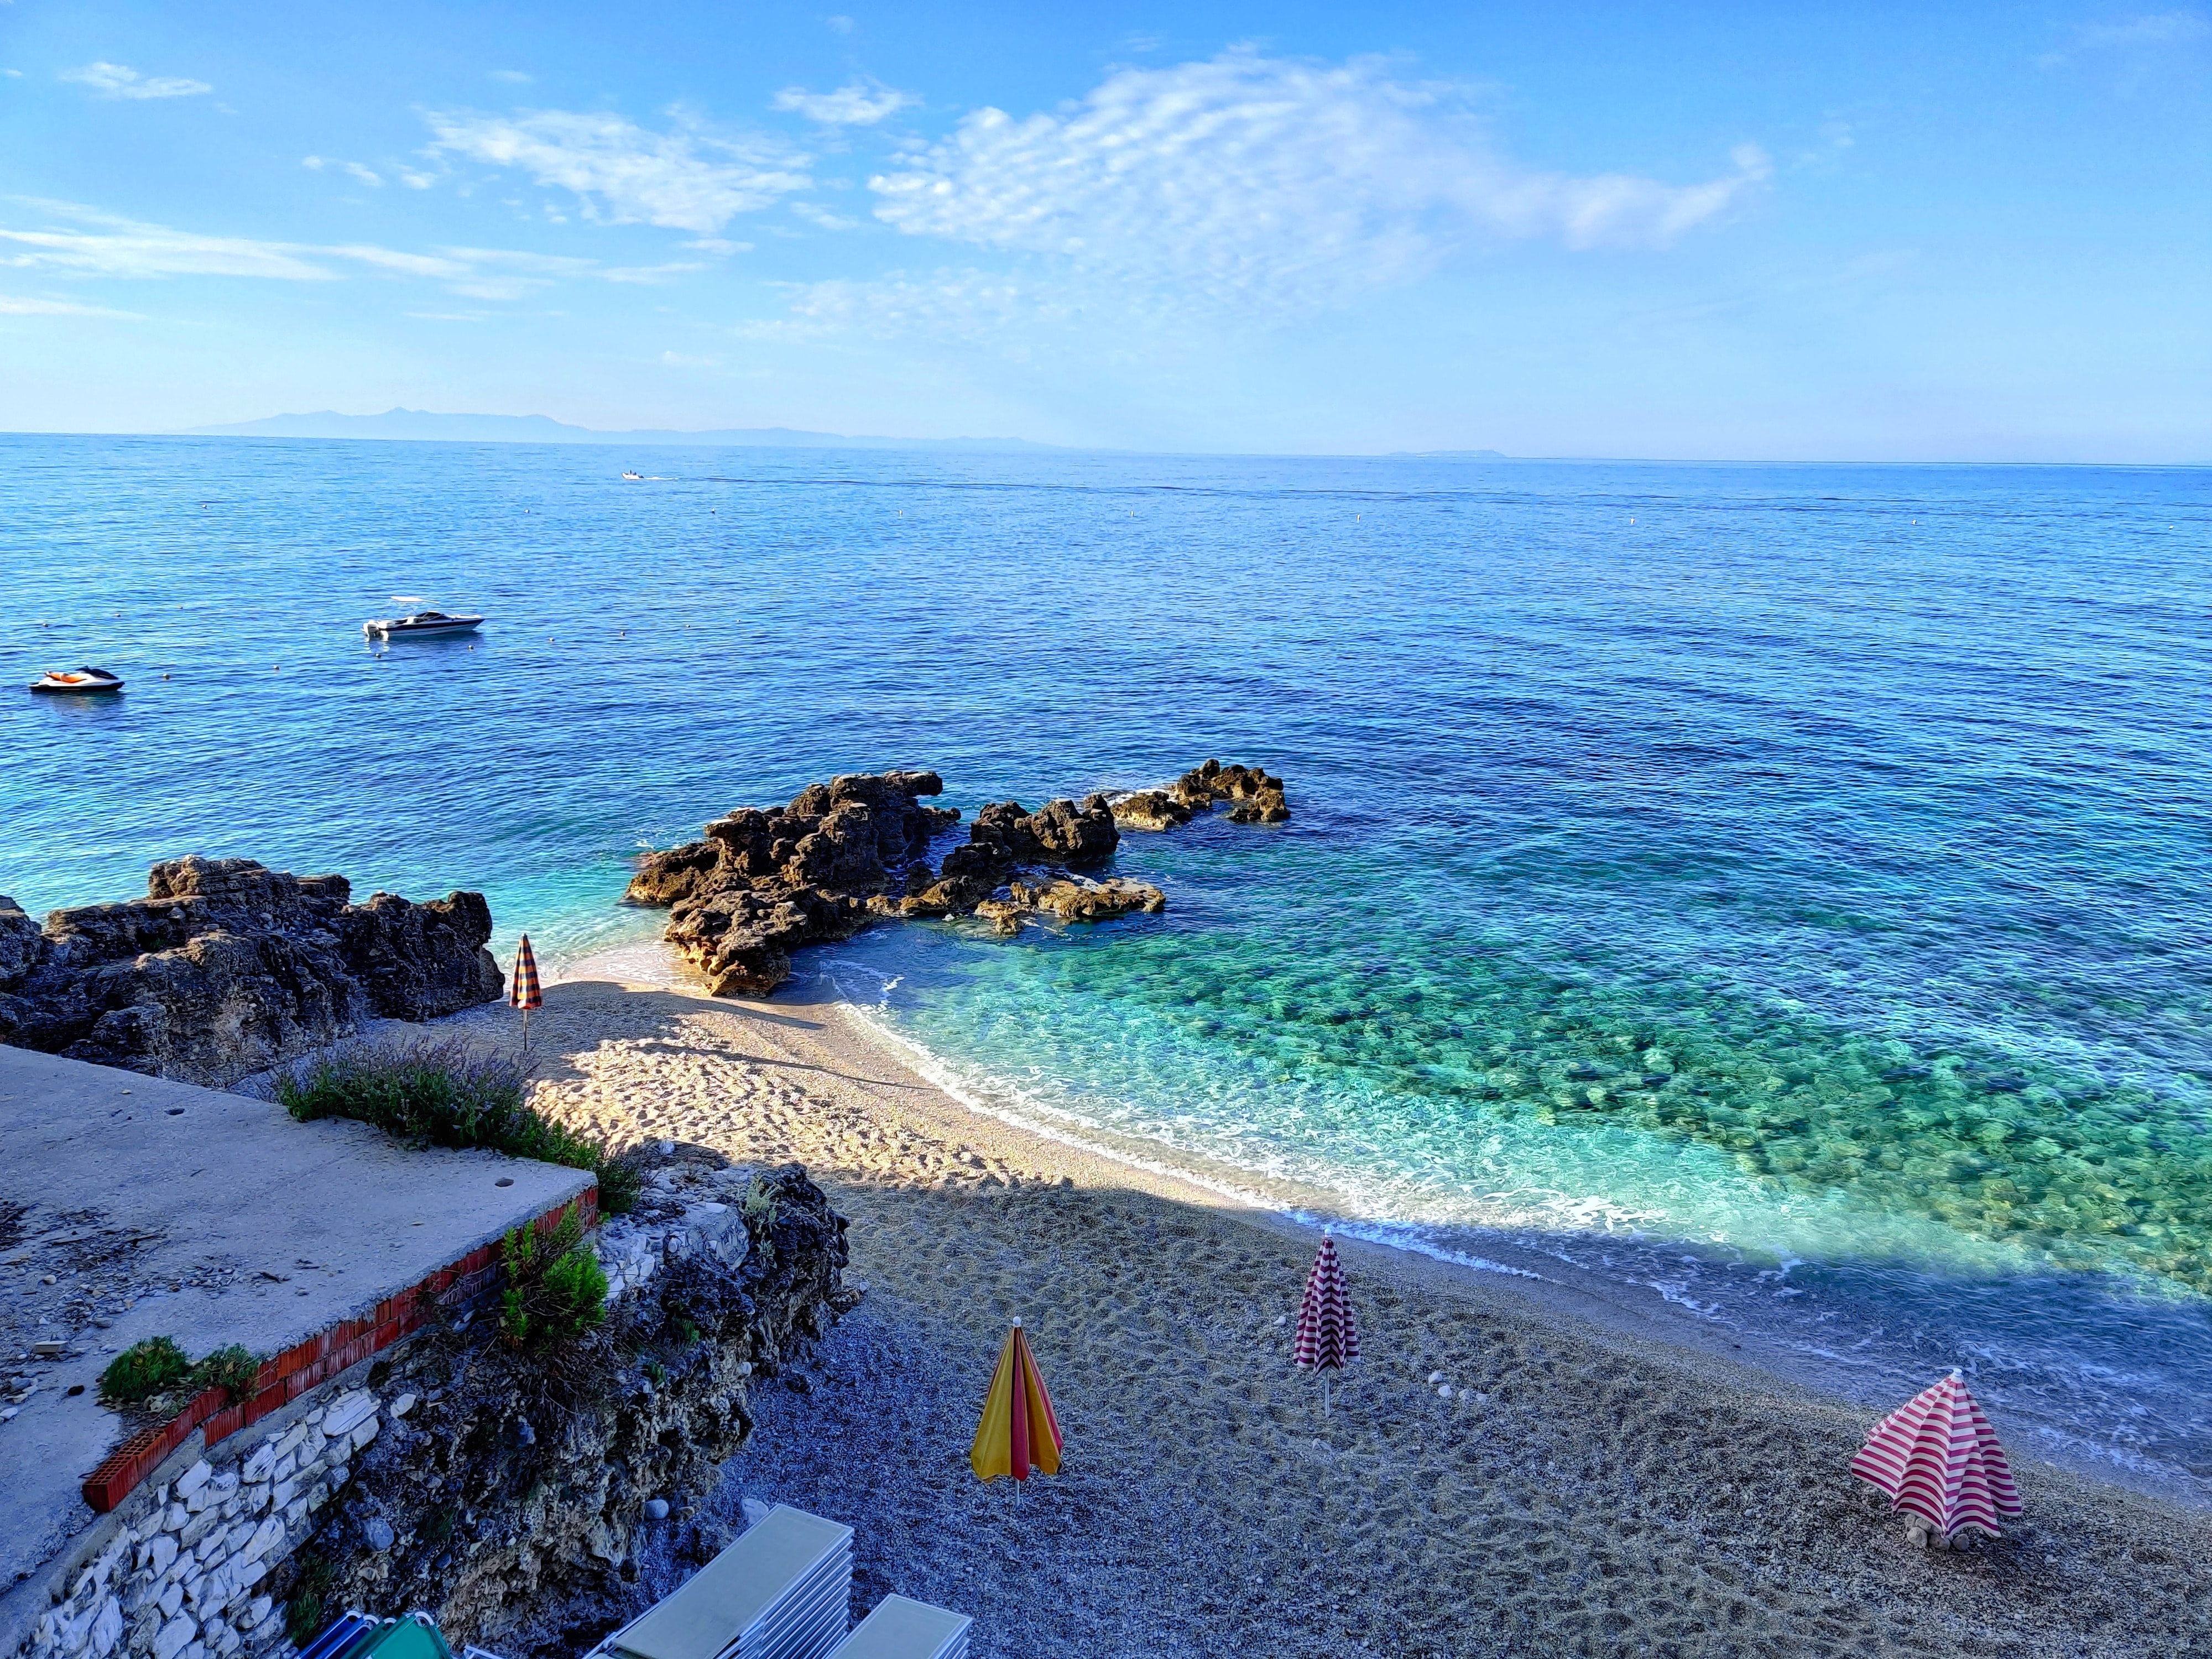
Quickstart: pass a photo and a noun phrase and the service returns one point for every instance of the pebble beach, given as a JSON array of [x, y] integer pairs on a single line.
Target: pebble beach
[[1568, 1484]]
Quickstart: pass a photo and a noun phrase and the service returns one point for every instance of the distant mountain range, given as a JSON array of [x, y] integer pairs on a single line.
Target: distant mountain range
[[422, 426]]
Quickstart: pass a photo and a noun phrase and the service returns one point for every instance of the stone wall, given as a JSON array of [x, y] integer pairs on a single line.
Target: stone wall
[[454, 1474]]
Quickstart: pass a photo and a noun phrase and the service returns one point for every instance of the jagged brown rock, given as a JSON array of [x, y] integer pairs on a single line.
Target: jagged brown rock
[[227, 967], [1151, 809], [764, 884], [1073, 899], [1252, 796]]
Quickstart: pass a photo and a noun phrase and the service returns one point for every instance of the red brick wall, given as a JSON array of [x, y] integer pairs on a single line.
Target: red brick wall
[[304, 1365]]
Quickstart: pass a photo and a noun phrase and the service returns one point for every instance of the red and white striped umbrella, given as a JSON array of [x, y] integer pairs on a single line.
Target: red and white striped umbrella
[[1937, 1457], [1327, 1341]]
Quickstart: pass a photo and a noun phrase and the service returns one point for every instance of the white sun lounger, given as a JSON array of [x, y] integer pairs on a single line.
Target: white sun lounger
[[901, 1629], [783, 1590]]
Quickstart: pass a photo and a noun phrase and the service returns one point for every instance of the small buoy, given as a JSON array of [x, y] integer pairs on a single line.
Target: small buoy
[[165, 677]]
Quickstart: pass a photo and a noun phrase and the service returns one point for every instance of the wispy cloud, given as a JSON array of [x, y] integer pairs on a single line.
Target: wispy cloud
[[354, 169], [512, 77], [1245, 179], [840, 25], [13, 305], [961, 306], [92, 244], [686, 179], [816, 214], [121, 81], [858, 103], [2159, 29]]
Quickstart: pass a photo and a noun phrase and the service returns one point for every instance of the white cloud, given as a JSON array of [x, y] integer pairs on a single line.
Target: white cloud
[[840, 25], [856, 104], [961, 305], [11, 306], [512, 77], [2161, 28], [652, 276], [822, 216], [363, 174], [316, 163], [121, 81], [416, 181], [688, 180], [1247, 180]]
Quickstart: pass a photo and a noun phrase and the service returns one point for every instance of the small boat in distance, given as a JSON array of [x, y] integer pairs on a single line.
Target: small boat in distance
[[632, 477], [82, 681], [420, 624]]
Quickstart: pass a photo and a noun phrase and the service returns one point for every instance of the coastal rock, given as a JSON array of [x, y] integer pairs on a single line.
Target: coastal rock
[[1151, 809], [1072, 898], [227, 967], [765, 882], [1253, 796]]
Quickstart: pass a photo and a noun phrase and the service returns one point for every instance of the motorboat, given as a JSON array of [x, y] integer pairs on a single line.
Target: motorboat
[[422, 623], [632, 477], [79, 680]]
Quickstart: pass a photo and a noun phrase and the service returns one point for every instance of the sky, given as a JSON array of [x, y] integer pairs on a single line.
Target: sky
[[1861, 232]]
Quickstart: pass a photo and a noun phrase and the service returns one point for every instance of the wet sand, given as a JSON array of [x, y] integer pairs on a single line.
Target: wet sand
[[1599, 1482]]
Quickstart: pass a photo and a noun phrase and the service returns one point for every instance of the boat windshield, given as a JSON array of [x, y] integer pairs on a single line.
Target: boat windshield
[[430, 616]]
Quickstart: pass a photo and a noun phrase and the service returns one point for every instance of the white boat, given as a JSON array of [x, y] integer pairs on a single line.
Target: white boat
[[632, 477], [80, 681], [419, 624]]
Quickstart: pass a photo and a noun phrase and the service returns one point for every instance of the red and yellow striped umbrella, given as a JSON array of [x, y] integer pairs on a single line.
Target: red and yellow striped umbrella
[[1018, 1431], [1937, 1457]]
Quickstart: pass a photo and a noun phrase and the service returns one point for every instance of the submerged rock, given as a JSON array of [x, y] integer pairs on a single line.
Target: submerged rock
[[227, 967]]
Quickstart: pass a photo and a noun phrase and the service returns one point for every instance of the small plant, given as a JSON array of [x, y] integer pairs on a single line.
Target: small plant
[[758, 1210], [556, 1289], [157, 1365], [156, 1371], [444, 1093], [658, 1372], [311, 1578]]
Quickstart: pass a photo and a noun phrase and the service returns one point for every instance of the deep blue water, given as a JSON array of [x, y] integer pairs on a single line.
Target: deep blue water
[[1779, 889]]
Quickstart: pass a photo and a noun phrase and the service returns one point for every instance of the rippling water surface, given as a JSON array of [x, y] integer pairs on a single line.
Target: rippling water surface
[[1779, 889]]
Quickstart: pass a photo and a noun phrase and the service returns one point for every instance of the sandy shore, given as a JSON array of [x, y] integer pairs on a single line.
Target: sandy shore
[[1591, 1488]]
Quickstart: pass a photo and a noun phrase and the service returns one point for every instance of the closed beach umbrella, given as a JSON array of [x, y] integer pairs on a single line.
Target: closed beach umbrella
[[1937, 1457], [523, 989], [1327, 1341], [1018, 1431]]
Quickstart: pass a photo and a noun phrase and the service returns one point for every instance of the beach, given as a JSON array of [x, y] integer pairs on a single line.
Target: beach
[[1590, 1486]]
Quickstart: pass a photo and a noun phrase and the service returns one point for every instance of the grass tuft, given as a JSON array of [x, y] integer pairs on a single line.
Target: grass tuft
[[437, 1092], [156, 1372]]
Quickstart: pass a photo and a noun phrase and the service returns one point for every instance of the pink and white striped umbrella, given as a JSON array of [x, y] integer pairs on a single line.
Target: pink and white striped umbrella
[[1326, 1340], [1937, 1457]]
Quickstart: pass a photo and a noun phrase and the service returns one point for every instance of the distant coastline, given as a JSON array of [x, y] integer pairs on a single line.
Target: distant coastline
[[426, 426]]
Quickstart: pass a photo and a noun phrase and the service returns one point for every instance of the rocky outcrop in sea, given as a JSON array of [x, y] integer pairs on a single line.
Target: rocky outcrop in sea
[[226, 968], [766, 882], [1251, 795]]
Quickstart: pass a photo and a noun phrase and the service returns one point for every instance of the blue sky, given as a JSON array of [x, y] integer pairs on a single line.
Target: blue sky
[[1859, 232]]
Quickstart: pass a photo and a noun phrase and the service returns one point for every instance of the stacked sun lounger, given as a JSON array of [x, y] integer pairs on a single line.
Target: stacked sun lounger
[[783, 1590], [900, 1629]]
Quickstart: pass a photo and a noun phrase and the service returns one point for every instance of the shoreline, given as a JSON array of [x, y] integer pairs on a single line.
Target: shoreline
[[1596, 1469], [1629, 1309]]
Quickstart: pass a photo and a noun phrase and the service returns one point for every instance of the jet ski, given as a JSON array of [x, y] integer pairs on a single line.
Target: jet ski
[[80, 681]]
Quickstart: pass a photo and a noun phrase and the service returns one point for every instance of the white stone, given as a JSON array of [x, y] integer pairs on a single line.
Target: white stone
[[656, 1509], [284, 1492], [224, 1483], [365, 1433], [164, 1554], [343, 1414], [194, 1478], [198, 1651], [314, 1416], [177, 1518], [1443, 1391], [311, 1447], [173, 1638], [172, 1599], [403, 1404], [256, 1611], [107, 1628], [258, 1466], [257, 1497], [266, 1537], [248, 1574], [295, 1512], [286, 1466]]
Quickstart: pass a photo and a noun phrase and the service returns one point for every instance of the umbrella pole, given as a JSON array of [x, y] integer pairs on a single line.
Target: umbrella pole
[[1324, 1394]]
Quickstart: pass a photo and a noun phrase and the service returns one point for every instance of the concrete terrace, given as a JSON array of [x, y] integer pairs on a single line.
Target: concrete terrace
[[132, 1207]]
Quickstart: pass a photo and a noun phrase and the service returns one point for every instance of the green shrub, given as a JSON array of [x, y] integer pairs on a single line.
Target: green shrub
[[148, 1371], [758, 1210], [157, 1365], [555, 1290], [311, 1578], [444, 1093]]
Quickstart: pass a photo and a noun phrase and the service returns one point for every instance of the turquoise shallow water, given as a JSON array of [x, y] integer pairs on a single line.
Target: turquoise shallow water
[[1780, 889]]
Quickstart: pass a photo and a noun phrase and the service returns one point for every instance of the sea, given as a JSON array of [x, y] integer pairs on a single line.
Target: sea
[[1778, 894]]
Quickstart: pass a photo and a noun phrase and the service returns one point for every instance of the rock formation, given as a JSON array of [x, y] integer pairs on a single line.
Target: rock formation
[[846, 853], [1252, 795], [227, 967]]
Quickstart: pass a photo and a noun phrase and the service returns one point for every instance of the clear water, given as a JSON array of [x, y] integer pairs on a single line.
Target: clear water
[[1781, 889]]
